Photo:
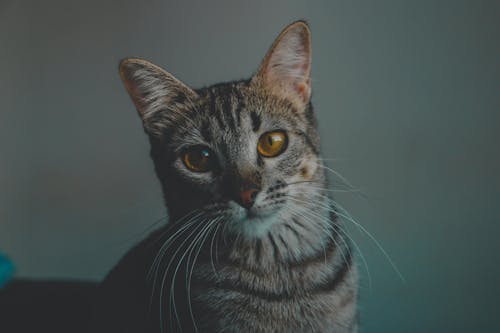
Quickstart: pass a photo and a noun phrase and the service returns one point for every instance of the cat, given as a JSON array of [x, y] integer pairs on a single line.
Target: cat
[[253, 243]]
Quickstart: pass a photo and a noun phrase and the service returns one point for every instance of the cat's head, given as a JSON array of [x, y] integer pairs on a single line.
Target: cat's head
[[244, 151]]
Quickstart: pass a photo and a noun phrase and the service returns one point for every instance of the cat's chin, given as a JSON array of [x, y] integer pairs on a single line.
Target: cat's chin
[[254, 223]]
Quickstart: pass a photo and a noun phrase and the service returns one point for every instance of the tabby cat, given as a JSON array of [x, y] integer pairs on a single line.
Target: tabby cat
[[253, 243]]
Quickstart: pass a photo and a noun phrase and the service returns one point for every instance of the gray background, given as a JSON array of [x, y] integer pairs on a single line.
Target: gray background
[[407, 94]]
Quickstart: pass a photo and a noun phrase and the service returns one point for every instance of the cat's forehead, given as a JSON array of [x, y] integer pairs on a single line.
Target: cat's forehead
[[227, 95], [230, 103]]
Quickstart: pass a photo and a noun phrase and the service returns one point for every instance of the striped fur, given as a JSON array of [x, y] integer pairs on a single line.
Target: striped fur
[[284, 265]]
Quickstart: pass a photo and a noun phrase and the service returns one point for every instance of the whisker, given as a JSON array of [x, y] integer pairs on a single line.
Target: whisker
[[360, 253], [168, 267], [145, 230], [176, 223], [377, 244], [189, 249], [326, 189], [207, 233], [334, 159], [155, 266], [336, 173], [211, 247], [328, 225], [300, 215], [345, 233], [350, 219]]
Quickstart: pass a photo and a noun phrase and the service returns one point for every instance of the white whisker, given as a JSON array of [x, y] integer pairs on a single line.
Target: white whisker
[[200, 224], [189, 250], [207, 233], [349, 218]]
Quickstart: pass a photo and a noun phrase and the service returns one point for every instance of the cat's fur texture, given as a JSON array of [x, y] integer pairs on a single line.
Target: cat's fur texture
[[283, 265]]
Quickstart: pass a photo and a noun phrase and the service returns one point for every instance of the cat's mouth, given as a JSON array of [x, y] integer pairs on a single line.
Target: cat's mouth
[[255, 220], [231, 208], [251, 222]]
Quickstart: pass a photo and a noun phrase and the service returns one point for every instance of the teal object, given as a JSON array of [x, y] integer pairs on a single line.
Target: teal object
[[6, 270]]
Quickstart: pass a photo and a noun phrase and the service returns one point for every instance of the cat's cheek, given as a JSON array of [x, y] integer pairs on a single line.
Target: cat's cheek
[[307, 169], [273, 164]]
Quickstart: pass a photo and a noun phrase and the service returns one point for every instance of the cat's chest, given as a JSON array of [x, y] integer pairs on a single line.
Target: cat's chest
[[233, 311], [279, 302]]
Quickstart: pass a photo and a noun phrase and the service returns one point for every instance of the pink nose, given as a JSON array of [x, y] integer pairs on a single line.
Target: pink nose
[[247, 197]]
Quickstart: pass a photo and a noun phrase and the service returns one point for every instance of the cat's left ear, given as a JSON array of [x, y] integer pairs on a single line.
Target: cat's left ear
[[158, 96], [286, 67]]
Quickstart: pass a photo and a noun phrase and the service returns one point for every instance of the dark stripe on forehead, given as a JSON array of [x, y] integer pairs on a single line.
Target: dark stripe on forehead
[[227, 107], [240, 104], [205, 131], [211, 100], [256, 121], [216, 113]]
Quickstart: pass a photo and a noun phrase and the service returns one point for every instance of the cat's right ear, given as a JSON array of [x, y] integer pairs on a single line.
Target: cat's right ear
[[158, 96], [286, 68]]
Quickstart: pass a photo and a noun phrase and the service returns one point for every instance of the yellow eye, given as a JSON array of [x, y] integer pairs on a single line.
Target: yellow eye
[[272, 143], [198, 159]]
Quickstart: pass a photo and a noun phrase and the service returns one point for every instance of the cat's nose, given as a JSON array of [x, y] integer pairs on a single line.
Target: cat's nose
[[247, 197]]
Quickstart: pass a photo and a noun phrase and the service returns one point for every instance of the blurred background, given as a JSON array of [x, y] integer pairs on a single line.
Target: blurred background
[[407, 94]]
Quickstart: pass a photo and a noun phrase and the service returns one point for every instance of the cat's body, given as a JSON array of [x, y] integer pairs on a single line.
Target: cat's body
[[254, 244]]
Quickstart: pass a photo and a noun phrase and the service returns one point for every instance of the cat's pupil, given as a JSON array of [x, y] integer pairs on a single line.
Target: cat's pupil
[[198, 159], [202, 157]]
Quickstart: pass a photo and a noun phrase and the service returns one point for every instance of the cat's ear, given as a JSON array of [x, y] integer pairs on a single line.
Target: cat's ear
[[286, 67], [158, 96]]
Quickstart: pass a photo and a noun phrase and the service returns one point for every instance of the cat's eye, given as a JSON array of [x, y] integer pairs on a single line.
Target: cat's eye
[[198, 159], [272, 143]]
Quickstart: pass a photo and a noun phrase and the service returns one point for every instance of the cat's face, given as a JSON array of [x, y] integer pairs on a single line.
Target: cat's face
[[246, 151]]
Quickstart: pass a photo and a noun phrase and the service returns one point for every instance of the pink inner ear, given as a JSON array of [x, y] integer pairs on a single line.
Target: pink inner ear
[[302, 89], [295, 76]]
